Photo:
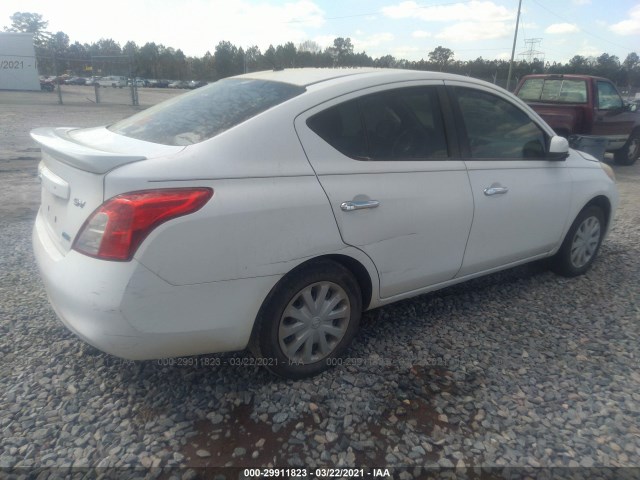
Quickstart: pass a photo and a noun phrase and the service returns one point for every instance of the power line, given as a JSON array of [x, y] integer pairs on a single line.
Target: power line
[[586, 32]]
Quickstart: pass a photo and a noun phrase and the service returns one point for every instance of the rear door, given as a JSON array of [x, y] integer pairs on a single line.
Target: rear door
[[521, 199], [387, 167]]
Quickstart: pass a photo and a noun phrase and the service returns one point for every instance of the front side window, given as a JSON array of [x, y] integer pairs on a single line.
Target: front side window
[[401, 124], [608, 97], [205, 112], [498, 129]]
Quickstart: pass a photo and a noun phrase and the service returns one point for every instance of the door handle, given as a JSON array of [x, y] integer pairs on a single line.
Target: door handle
[[358, 205], [495, 191]]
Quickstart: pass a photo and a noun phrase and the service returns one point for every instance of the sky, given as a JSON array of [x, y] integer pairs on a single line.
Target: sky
[[407, 29]]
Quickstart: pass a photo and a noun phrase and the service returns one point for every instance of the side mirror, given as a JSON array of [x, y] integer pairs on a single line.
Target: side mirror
[[558, 149], [632, 107]]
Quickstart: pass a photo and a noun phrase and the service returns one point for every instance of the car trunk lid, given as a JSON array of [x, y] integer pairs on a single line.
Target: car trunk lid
[[74, 164]]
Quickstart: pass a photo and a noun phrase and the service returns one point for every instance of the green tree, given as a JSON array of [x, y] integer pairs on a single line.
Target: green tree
[[441, 56], [149, 60], [79, 59], [342, 51], [388, 61], [26, 22], [228, 60]]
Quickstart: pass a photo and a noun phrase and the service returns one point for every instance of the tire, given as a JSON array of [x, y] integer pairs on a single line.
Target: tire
[[582, 243], [295, 336], [628, 154]]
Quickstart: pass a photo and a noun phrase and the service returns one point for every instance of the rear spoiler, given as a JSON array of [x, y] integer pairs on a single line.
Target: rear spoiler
[[57, 141]]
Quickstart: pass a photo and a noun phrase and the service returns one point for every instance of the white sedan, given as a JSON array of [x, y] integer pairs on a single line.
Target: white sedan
[[270, 209]]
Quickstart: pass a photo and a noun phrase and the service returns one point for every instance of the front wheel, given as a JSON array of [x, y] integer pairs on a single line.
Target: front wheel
[[308, 320], [580, 247], [628, 154]]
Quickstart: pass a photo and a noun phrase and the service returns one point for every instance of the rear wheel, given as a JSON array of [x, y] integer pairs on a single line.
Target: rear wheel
[[628, 154], [581, 245], [308, 320]]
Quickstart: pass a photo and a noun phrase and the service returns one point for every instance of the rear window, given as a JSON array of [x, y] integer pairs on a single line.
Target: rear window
[[206, 112], [553, 90]]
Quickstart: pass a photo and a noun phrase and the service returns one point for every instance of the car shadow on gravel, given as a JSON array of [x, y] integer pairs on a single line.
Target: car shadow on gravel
[[234, 434]]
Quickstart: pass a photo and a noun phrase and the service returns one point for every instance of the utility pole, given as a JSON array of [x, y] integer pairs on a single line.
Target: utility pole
[[513, 49]]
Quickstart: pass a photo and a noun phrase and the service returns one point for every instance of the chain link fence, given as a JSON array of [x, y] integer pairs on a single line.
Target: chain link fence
[[108, 80]]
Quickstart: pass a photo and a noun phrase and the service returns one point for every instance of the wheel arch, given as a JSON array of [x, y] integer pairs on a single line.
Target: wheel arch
[[359, 272], [604, 204], [357, 269]]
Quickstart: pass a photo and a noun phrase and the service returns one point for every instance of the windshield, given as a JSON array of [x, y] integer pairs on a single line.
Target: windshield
[[206, 112]]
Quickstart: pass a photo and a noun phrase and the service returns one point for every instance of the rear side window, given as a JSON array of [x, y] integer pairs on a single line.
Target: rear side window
[[553, 90], [205, 112], [396, 125]]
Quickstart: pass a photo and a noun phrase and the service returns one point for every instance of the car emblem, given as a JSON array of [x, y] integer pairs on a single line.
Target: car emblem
[[78, 203]]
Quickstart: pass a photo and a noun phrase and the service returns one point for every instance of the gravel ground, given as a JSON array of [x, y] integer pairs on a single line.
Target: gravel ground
[[518, 369]]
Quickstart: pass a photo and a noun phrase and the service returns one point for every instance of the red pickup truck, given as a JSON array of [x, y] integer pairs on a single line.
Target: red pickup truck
[[586, 106]]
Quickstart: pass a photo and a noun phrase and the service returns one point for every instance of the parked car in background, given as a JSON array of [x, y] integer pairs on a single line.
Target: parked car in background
[[141, 82], [76, 81], [196, 84], [155, 83], [169, 233], [112, 81], [47, 85], [178, 84], [586, 106]]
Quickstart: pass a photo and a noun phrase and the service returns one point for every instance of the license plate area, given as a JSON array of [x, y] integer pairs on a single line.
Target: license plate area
[[53, 205], [54, 211]]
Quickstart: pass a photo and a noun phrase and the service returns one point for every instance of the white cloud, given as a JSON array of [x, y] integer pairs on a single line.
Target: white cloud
[[421, 34], [561, 28], [588, 50], [581, 2], [410, 52], [631, 26], [471, 31], [475, 10], [371, 41], [474, 20], [325, 40]]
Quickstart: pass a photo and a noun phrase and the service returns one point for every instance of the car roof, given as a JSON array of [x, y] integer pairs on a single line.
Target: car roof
[[305, 77]]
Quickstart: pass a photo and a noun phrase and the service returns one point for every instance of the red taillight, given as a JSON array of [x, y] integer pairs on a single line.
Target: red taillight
[[118, 227]]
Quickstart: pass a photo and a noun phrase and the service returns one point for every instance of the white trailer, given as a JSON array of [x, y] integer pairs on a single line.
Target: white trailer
[[18, 68]]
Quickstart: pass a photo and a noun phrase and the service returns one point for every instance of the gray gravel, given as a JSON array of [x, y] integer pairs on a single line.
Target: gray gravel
[[521, 368]]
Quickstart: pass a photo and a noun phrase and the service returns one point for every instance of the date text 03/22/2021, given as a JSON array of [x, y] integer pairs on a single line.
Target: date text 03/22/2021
[[318, 472]]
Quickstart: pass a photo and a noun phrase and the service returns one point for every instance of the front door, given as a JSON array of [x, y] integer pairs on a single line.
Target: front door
[[521, 199], [611, 119]]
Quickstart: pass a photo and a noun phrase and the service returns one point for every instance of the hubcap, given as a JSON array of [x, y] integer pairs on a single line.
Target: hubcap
[[314, 322], [585, 242]]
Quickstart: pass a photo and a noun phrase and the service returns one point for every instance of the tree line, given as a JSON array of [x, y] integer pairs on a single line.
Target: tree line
[[56, 55]]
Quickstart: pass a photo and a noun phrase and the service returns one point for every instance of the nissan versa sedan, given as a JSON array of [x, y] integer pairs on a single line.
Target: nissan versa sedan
[[268, 211]]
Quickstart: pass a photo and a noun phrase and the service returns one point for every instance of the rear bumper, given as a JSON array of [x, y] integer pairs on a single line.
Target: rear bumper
[[124, 309]]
